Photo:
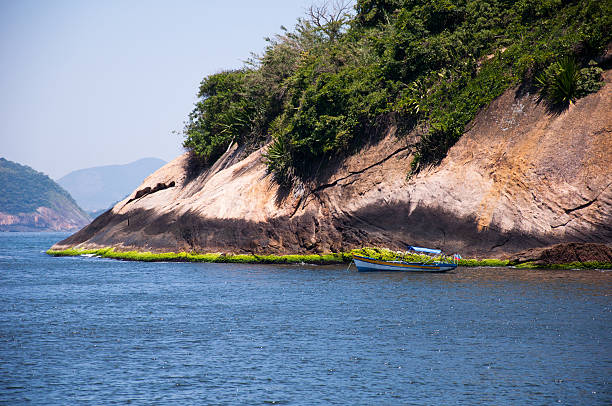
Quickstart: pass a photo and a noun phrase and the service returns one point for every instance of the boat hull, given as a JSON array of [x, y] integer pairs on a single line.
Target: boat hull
[[366, 264]]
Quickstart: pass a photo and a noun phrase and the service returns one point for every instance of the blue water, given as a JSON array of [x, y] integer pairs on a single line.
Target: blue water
[[94, 331]]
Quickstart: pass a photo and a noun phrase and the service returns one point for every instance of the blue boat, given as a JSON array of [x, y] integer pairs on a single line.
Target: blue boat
[[438, 262]]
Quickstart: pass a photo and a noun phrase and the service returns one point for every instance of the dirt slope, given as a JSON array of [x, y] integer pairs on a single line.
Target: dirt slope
[[521, 177]]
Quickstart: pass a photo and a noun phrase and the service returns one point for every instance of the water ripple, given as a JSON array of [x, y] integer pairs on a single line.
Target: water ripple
[[84, 330]]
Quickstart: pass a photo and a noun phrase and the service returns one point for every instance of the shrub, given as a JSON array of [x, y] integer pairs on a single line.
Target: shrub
[[224, 114], [317, 90], [589, 80]]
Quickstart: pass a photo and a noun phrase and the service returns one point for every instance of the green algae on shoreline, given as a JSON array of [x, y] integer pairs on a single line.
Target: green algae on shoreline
[[315, 259], [146, 256], [567, 266]]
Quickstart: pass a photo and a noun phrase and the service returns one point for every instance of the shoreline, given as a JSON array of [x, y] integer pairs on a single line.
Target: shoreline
[[312, 259]]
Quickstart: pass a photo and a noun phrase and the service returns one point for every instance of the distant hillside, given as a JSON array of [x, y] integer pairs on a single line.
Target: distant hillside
[[100, 187], [31, 201]]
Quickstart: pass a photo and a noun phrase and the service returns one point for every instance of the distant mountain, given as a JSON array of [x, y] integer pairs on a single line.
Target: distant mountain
[[99, 187], [31, 201]]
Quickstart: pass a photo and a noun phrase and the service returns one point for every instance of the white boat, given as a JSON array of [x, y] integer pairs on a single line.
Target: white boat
[[439, 263]]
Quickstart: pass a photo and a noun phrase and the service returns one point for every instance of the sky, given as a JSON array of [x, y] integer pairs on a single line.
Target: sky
[[92, 83]]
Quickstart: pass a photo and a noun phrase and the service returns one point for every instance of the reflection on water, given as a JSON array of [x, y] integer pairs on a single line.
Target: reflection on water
[[597, 277], [596, 282]]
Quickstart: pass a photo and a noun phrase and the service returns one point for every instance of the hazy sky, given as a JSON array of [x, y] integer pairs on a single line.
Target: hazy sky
[[87, 83]]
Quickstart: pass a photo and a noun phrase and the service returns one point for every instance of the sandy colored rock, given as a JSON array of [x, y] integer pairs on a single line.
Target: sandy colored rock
[[521, 177]]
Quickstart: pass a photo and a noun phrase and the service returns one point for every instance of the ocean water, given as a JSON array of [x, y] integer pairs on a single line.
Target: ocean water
[[94, 331]]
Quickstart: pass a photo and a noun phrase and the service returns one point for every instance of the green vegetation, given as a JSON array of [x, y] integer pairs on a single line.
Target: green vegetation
[[563, 81], [24, 190], [318, 92], [483, 262], [210, 257], [571, 265], [332, 258], [387, 255]]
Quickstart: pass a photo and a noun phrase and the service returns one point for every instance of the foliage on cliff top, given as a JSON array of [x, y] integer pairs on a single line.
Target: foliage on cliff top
[[317, 90], [24, 190]]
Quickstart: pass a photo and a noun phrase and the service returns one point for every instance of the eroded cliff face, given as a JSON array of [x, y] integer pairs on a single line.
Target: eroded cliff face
[[67, 218], [521, 177]]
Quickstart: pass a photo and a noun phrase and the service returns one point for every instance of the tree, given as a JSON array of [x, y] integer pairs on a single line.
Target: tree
[[330, 17]]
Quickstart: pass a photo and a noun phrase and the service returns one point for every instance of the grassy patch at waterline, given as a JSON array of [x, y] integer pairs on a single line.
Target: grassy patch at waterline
[[571, 265], [332, 258], [209, 257], [323, 259]]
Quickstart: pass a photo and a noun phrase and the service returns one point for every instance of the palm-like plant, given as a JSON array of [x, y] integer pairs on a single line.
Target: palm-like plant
[[559, 82], [278, 159]]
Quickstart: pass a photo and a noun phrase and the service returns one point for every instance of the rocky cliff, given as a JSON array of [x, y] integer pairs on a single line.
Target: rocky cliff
[[520, 177]]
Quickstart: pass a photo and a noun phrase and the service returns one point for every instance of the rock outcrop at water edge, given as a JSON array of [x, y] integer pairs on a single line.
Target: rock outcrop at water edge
[[520, 177]]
